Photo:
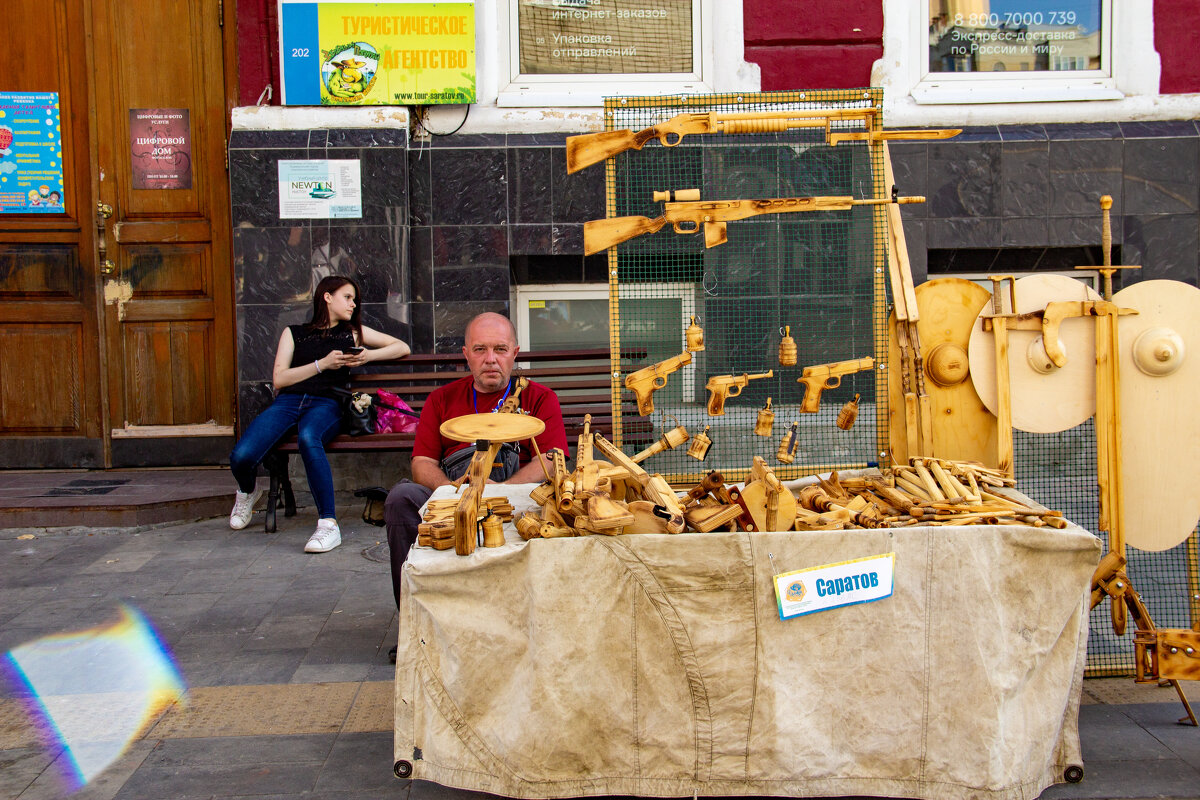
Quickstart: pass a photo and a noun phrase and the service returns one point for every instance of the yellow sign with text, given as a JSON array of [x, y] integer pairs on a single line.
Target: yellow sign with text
[[396, 53]]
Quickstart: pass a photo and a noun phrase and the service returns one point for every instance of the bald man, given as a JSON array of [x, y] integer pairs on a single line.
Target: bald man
[[491, 351]]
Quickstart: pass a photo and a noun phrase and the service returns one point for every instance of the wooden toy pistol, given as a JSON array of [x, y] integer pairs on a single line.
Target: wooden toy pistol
[[827, 376], [646, 381], [721, 387]]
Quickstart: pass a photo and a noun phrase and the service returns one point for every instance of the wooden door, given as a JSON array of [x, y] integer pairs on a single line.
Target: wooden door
[[116, 314], [167, 330]]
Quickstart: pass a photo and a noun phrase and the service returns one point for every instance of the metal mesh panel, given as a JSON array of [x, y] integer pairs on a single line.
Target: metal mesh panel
[[1059, 470], [819, 272], [822, 274]]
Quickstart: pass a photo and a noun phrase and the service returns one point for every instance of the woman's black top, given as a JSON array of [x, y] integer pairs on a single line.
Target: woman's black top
[[312, 344]]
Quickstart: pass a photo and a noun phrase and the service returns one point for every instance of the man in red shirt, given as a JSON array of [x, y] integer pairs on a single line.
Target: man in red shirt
[[491, 350]]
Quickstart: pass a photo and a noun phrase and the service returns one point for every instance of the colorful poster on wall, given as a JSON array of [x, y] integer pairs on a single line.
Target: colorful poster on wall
[[338, 52], [320, 189], [31, 172], [160, 142]]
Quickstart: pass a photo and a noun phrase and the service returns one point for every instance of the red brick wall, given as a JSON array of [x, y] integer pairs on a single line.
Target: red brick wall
[[1176, 31], [813, 44]]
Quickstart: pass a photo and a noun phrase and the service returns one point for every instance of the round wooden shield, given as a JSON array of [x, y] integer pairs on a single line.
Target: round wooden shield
[[963, 428], [1160, 430], [492, 427], [1044, 399]]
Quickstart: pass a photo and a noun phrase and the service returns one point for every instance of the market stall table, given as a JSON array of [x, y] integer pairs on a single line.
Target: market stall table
[[658, 665]]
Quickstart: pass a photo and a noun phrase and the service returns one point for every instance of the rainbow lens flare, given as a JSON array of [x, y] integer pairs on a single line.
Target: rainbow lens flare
[[96, 691]]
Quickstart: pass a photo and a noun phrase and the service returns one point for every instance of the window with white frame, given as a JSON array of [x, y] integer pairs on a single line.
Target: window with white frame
[[1019, 51], [576, 316], [577, 52]]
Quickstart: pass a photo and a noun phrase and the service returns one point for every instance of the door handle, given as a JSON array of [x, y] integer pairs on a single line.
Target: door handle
[[103, 212]]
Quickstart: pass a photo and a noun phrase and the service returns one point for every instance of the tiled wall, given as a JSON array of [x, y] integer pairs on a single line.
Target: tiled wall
[[278, 261], [448, 225], [1039, 186], [484, 207]]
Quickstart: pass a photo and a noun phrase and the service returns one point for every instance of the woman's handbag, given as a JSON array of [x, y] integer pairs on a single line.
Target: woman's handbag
[[359, 416], [394, 414], [360, 412]]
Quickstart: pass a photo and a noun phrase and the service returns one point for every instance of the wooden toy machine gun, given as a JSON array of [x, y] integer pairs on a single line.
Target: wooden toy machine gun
[[592, 148], [687, 213]]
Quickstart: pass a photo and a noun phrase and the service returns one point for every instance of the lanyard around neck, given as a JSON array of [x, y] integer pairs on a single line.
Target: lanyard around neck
[[500, 402]]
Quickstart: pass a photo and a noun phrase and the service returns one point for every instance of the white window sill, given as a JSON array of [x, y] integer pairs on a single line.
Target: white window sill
[[954, 92], [534, 95]]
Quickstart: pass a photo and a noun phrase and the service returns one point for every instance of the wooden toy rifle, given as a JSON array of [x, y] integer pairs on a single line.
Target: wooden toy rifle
[[592, 148], [686, 213], [646, 381], [827, 376], [721, 387]]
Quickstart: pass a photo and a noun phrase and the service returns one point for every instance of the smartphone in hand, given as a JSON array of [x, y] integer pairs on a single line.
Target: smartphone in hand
[[353, 351]]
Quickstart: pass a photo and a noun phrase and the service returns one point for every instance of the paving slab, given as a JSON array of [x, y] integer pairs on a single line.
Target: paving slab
[[290, 691]]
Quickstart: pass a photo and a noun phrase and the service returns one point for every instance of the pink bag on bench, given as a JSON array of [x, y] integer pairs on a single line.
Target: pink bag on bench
[[388, 421]]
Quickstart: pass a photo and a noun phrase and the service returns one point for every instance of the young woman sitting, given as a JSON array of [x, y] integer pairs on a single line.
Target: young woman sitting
[[310, 362]]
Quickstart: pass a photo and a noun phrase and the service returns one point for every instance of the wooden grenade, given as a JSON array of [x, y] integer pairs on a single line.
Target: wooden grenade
[[849, 413], [766, 420], [695, 337], [669, 441], [493, 531], [787, 348], [700, 444], [787, 447]]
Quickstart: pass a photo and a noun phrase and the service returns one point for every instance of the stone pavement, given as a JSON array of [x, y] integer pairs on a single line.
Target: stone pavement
[[290, 689]]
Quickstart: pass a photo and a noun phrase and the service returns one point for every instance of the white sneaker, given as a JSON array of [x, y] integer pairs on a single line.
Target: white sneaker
[[243, 508], [325, 537]]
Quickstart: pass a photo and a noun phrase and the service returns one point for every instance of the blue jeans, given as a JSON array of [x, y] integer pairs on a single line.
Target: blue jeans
[[317, 420]]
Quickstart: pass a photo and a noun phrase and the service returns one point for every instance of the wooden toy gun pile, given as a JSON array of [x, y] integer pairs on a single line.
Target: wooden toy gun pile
[[618, 496]]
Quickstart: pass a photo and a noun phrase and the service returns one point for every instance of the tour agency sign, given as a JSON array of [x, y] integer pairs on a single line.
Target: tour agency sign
[[344, 53]]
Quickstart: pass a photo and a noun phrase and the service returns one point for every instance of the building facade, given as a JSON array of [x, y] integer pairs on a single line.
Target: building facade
[[468, 207]]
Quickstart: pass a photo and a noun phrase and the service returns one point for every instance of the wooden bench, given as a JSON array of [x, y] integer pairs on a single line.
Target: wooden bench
[[581, 379]]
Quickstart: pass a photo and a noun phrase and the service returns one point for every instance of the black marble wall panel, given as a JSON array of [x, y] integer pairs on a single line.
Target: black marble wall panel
[[1165, 246], [470, 187], [420, 186], [529, 171], [449, 224], [1162, 176], [450, 320], [1080, 172], [278, 261], [421, 264], [576, 198], [910, 168], [1043, 191], [963, 179], [1024, 178]]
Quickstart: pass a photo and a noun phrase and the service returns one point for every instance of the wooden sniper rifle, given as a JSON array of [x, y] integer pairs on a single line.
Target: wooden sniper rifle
[[686, 213], [592, 148]]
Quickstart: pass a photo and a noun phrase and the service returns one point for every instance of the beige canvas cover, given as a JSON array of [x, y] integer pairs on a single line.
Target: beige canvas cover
[[657, 665]]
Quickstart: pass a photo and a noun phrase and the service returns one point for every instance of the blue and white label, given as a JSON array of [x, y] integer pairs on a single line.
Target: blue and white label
[[320, 189], [846, 583]]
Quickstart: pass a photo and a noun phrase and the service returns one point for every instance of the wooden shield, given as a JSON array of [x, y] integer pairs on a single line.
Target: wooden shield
[[1160, 429], [963, 428], [1042, 402]]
